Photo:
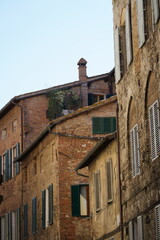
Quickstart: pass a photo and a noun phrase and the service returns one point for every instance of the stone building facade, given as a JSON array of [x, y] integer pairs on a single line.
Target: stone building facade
[[102, 163], [42, 207], [137, 71]]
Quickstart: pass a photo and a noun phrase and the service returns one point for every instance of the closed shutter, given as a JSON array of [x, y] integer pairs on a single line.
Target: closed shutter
[[7, 226], [131, 237], [18, 223], [109, 181], [25, 234], [97, 190], [44, 208], [7, 166], [10, 163], [139, 228], [103, 125], [134, 141], [47, 208], [90, 99], [128, 35], [154, 122], [34, 215], [155, 11], [1, 173], [75, 193], [117, 55], [17, 154], [13, 226], [10, 225], [140, 18], [50, 204], [157, 218]]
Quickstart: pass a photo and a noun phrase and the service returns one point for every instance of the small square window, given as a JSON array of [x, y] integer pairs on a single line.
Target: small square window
[[4, 133], [14, 125]]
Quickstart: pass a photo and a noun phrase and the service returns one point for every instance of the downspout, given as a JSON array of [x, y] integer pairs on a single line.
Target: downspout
[[80, 174], [119, 175]]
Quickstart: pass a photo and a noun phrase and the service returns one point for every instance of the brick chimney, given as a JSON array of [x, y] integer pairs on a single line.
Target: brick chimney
[[82, 69]]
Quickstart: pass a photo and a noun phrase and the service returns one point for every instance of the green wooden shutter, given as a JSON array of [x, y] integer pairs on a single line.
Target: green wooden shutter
[[7, 166], [10, 163], [10, 226], [25, 233], [34, 215], [75, 193], [43, 208], [50, 204], [1, 165], [17, 154], [90, 99], [18, 223], [103, 125]]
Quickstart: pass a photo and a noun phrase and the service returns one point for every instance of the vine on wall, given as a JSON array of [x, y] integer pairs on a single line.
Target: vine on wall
[[60, 100]]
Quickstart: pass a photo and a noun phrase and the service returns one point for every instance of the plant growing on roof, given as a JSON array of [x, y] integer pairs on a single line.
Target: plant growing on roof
[[61, 99]]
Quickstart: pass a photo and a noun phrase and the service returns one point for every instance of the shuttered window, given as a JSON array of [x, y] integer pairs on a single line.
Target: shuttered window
[[109, 176], [154, 122], [141, 23], [80, 200], [131, 231], [47, 206], [157, 220], [134, 142], [97, 190], [117, 55], [25, 233], [34, 215], [1, 170], [128, 35], [139, 228], [103, 125], [155, 10], [50, 192]]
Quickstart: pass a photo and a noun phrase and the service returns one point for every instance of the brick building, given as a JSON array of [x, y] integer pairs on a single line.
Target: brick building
[[103, 167], [48, 182], [137, 72]]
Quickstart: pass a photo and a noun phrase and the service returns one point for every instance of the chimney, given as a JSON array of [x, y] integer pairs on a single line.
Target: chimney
[[82, 69]]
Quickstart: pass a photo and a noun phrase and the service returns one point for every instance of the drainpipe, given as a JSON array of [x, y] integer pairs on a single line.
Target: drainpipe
[[119, 174]]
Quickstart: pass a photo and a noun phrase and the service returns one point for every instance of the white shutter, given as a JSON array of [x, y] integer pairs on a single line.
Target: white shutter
[[154, 122], [157, 218], [140, 18], [97, 190], [155, 11], [47, 207], [131, 237], [139, 228], [135, 151], [117, 55], [128, 35], [109, 180]]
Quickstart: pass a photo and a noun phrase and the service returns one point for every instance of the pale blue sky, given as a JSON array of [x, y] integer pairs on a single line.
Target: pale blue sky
[[41, 42]]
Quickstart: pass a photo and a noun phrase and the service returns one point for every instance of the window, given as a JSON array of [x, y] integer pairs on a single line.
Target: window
[[15, 154], [14, 125], [47, 206], [141, 22], [157, 220], [109, 181], [10, 225], [80, 200], [103, 125], [136, 229], [34, 215], [93, 98], [155, 10], [135, 151], [128, 34], [97, 190], [154, 122], [4, 133], [25, 231], [117, 52]]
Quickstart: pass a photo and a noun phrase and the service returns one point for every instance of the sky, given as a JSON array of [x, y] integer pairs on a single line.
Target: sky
[[41, 42]]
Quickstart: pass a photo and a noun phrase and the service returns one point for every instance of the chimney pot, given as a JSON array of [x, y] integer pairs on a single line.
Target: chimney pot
[[82, 69]]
